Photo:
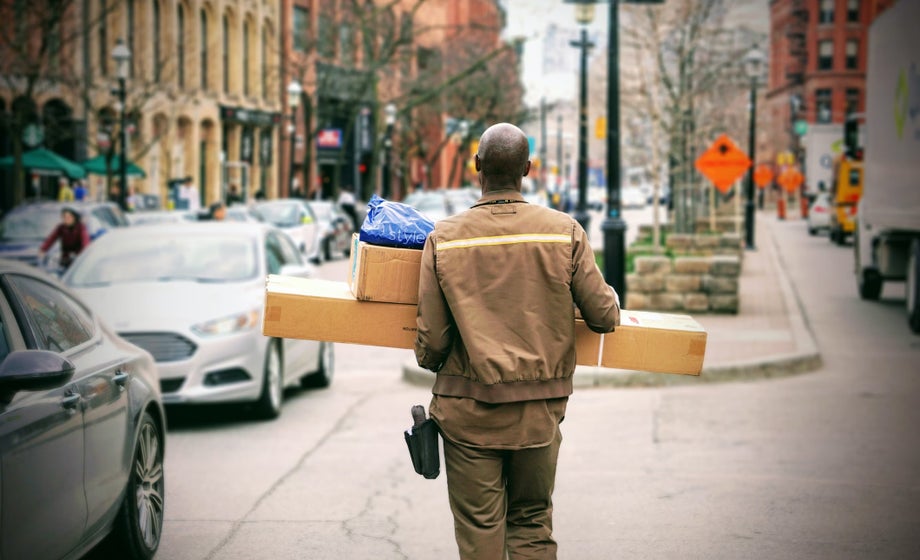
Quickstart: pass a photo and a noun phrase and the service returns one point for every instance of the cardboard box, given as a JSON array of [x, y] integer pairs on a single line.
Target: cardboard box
[[325, 310], [384, 274]]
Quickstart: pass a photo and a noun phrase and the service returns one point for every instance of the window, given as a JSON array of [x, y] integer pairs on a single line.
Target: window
[[853, 11], [301, 28], [180, 32], [823, 105], [852, 60], [131, 38], [852, 101], [826, 11], [246, 85], [52, 320], [103, 38], [226, 54], [825, 55], [346, 44], [203, 37], [157, 31], [326, 40]]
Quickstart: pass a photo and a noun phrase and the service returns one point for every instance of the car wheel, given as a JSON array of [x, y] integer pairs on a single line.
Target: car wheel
[[913, 287], [322, 377], [268, 406], [812, 231], [140, 519]]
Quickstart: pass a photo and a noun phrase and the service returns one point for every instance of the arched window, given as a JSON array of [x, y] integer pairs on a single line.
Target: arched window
[[203, 53], [180, 43], [246, 58], [226, 54], [157, 30]]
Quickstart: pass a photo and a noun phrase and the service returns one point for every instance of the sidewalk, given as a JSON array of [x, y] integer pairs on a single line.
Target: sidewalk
[[768, 337]]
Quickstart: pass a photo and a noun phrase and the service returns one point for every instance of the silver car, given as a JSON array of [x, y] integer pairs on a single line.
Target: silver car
[[194, 295], [82, 427], [294, 217]]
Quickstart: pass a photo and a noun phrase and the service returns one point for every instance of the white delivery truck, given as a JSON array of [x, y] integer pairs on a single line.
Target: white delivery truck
[[887, 241], [823, 143]]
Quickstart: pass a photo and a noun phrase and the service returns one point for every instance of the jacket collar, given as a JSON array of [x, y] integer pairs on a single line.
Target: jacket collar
[[494, 197]]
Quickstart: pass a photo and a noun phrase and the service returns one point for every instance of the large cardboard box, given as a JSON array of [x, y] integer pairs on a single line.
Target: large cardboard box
[[384, 274], [325, 310]]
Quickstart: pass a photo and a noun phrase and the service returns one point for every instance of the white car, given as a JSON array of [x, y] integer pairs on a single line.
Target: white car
[[819, 214], [294, 217], [632, 197], [193, 295]]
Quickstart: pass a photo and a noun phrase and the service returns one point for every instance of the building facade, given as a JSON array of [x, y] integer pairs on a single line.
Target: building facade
[[203, 91], [818, 64]]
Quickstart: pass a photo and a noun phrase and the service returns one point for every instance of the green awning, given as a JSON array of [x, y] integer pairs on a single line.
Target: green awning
[[96, 166], [46, 162]]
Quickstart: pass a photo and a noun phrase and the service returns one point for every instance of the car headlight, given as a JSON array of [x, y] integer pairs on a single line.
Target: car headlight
[[228, 325]]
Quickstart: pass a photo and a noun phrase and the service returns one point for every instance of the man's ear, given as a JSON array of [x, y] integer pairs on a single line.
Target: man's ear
[[526, 168], [477, 162]]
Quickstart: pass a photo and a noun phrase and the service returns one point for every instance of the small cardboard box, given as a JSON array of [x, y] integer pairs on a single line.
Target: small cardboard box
[[655, 342], [325, 310], [384, 274]]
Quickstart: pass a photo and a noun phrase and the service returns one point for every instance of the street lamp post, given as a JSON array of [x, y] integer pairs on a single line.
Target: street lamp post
[[122, 56], [753, 63], [294, 90], [390, 116], [584, 14]]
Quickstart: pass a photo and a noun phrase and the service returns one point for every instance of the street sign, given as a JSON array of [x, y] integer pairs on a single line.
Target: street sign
[[791, 179], [723, 163], [763, 175]]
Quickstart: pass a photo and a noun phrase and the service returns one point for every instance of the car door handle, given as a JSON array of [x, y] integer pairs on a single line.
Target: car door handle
[[121, 378], [70, 401]]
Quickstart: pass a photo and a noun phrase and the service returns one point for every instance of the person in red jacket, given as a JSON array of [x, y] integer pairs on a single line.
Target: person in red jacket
[[72, 234]]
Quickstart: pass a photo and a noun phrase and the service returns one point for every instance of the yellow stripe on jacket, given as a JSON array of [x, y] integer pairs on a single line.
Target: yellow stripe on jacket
[[505, 240]]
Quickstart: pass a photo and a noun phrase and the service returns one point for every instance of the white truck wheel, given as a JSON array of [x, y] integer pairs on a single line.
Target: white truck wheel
[[913, 287]]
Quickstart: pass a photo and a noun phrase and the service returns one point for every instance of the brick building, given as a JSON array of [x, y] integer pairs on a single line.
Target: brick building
[[818, 63]]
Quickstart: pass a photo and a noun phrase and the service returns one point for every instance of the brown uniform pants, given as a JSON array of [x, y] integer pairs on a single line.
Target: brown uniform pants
[[502, 500]]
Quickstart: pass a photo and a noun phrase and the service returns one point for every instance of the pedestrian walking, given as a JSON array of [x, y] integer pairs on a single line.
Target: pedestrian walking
[[65, 192], [498, 291], [71, 233]]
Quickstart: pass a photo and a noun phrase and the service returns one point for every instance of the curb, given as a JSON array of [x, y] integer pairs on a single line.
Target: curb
[[806, 359]]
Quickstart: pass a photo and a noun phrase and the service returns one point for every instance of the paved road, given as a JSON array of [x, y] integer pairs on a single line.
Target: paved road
[[823, 465]]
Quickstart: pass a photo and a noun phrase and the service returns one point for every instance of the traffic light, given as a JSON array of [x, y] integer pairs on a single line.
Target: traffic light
[[851, 139]]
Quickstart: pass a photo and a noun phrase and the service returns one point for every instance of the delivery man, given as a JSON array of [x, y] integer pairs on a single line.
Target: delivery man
[[498, 290]]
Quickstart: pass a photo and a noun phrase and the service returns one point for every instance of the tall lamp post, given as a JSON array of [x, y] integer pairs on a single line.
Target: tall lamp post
[[584, 15], [122, 57], [293, 91], [390, 119], [753, 63]]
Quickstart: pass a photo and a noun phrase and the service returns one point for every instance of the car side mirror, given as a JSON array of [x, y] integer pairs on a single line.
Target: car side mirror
[[33, 370]]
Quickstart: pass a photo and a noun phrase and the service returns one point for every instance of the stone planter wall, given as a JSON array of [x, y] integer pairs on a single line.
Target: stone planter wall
[[702, 277]]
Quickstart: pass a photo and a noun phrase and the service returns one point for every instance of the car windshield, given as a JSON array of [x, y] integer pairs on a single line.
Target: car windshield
[[167, 257], [281, 215], [30, 224], [323, 211]]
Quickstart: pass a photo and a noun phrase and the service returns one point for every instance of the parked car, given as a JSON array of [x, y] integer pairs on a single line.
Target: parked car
[[82, 429], [819, 214], [632, 197], [335, 229], [294, 217], [441, 203], [25, 227], [193, 295]]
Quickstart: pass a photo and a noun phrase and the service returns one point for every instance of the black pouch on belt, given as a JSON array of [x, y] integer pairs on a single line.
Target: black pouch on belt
[[422, 440]]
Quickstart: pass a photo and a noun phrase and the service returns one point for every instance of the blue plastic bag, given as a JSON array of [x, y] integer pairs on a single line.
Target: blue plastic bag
[[394, 224]]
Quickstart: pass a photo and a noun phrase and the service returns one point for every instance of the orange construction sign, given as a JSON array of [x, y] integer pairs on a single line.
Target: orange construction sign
[[763, 175], [723, 163], [791, 179]]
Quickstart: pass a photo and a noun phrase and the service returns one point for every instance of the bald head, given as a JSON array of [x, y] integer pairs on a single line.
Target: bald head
[[502, 159]]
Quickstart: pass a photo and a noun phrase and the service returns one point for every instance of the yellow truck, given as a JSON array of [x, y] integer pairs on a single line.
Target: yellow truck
[[846, 190]]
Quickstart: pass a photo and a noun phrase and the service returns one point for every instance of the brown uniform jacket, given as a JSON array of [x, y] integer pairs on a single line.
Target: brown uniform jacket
[[496, 319]]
